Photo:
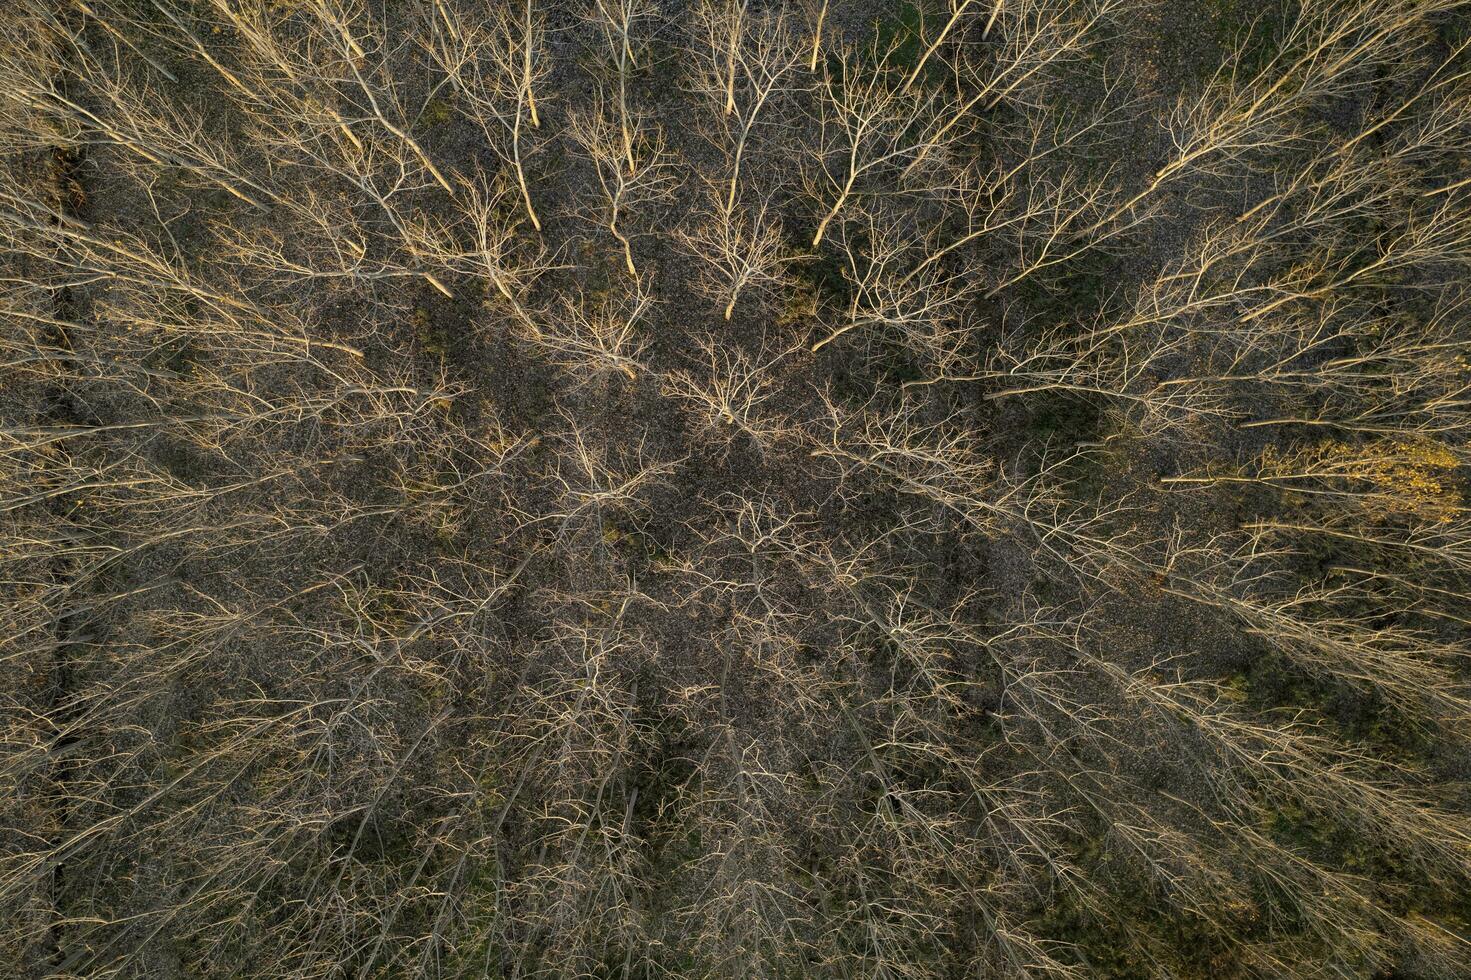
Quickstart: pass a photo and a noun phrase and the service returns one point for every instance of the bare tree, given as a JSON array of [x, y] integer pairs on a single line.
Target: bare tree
[[739, 250], [493, 64], [626, 191], [160, 134], [728, 392], [957, 11], [868, 128], [1059, 568], [620, 22], [893, 287], [589, 341], [744, 64], [1038, 39]]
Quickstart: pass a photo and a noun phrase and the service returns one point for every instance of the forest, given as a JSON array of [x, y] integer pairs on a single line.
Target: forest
[[737, 489]]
